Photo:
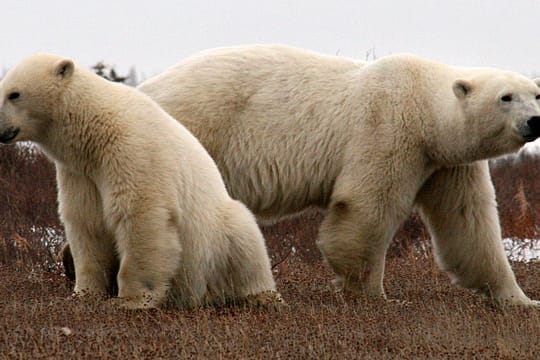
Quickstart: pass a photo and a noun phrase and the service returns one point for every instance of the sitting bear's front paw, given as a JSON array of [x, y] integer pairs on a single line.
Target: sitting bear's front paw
[[146, 301], [268, 298]]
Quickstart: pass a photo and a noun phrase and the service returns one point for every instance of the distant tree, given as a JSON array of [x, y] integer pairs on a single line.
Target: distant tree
[[108, 72]]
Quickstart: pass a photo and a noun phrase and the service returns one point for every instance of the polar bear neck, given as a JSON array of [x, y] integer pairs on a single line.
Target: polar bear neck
[[84, 126], [408, 102], [448, 140]]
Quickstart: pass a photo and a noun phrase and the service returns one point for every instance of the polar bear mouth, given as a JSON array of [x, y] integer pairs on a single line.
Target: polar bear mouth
[[529, 134], [532, 129], [529, 138], [8, 135]]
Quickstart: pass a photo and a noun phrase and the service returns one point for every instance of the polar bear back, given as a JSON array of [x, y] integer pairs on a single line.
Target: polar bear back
[[236, 86]]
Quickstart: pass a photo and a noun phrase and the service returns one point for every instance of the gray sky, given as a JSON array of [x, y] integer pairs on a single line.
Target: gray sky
[[153, 35]]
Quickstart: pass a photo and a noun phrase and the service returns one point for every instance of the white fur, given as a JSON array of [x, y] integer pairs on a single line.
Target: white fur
[[136, 190], [289, 128]]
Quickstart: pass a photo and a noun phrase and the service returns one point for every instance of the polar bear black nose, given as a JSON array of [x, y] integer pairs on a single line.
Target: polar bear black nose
[[534, 124]]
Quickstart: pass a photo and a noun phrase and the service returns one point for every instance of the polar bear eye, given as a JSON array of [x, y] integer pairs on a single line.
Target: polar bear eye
[[538, 97], [14, 96], [506, 98]]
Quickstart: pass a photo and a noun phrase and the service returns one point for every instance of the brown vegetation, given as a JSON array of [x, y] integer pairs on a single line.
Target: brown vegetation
[[40, 319], [517, 181], [28, 208]]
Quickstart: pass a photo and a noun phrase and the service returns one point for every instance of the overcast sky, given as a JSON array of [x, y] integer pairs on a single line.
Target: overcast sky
[[153, 35]]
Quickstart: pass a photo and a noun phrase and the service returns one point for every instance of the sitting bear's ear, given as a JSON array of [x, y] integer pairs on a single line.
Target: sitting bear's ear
[[537, 81], [64, 69], [462, 88]]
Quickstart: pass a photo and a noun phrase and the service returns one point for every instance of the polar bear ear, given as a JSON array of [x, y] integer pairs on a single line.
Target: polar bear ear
[[462, 88], [537, 81], [64, 69]]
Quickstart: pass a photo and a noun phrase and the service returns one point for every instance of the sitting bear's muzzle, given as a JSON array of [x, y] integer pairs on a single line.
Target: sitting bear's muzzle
[[8, 134], [532, 131]]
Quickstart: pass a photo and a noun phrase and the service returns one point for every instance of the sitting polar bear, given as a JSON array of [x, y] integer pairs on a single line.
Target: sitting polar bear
[[138, 194], [289, 128]]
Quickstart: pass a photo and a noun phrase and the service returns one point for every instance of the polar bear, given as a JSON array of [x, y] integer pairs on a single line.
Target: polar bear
[[138, 194], [290, 128]]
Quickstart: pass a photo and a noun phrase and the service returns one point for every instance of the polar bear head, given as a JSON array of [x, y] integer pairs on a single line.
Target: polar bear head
[[29, 94], [500, 108]]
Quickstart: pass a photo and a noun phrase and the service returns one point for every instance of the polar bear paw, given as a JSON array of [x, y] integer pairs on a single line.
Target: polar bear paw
[[269, 298], [146, 301]]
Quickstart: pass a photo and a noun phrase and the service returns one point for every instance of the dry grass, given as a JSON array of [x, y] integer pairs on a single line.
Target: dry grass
[[39, 319], [517, 181]]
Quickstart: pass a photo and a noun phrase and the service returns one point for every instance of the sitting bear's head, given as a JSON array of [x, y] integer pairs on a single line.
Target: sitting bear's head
[[29, 94], [501, 107]]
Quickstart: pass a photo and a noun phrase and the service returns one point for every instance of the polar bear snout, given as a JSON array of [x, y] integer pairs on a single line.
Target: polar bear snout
[[533, 131], [9, 134], [534, 123]]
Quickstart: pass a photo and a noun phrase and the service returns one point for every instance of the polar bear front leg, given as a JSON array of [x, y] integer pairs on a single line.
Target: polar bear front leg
[[360, 223], [92, 247], [371, 198], [149, 249], [458, 204], [355, 248]]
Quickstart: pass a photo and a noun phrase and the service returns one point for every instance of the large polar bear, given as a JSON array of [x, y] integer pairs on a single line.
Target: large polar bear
[[289, 128], [138, 194]]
